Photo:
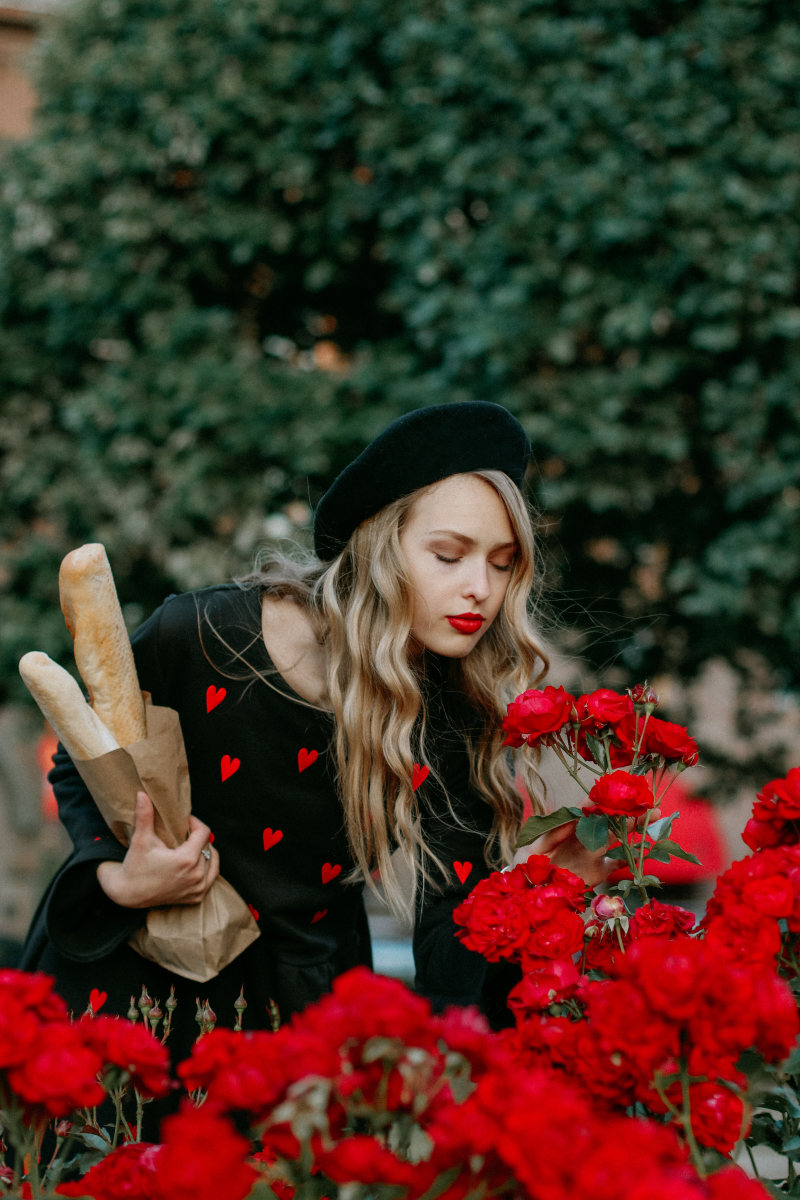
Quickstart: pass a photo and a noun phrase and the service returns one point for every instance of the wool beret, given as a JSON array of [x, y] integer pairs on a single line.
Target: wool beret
[[418, 449]]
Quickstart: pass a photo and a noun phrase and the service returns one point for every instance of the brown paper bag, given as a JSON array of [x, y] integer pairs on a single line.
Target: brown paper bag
[[193, 940]]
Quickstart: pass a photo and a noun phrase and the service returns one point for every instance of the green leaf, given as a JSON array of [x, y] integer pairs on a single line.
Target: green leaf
[[535, 826], [597, 750], [662, 827], [676, 851], [592, 831], [658, 854]]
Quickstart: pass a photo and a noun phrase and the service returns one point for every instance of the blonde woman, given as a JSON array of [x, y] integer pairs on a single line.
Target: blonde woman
[[341, 715]]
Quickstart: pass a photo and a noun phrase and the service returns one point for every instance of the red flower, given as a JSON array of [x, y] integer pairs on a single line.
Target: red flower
[[731, 1183], [540, 988], [776, 814], [620, 794], [59, 1071], [602, 708], [203, 1156], [536, 714], [718, 1116], [132, 1050], [128, 1173], [361, 1159], [668, 741]]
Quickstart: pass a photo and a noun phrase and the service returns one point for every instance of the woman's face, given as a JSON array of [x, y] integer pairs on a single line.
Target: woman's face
[[459, 548]]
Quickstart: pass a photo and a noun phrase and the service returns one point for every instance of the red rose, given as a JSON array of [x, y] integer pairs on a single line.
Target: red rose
[[361, 1159], [127, 1173], [203, 1156], [601, 708], [131, 1049], [669, 741], [539, 989], [59, 1071], [620, 794], [537, 713], [718, 1116]]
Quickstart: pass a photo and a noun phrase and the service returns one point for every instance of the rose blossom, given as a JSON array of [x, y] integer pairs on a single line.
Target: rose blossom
[[601, 708], [536, 714], [620, 794]]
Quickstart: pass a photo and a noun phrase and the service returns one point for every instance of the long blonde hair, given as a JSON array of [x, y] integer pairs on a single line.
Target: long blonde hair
[[361, 603]]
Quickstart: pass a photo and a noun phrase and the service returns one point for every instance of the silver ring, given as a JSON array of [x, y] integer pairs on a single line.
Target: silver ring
[[206, 853]]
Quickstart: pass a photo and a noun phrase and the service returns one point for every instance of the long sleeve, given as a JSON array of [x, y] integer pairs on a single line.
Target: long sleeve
[[82, 922]]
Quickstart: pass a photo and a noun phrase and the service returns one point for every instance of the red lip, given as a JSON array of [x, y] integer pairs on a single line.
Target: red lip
[[467, 623]]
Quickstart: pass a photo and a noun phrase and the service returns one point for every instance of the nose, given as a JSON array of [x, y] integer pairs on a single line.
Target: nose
[[477, 580]]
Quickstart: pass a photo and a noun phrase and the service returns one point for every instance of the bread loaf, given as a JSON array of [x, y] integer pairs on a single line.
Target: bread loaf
[[102, 648], [79, 729]]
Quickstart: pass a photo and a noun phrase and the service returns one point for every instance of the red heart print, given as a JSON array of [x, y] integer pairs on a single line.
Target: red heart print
[[97, 999], [330, 871], [271, 837], [305, 758], [214, 696], [254, 911], [323, 912], [419, 775], [462, 869], [229, 766]]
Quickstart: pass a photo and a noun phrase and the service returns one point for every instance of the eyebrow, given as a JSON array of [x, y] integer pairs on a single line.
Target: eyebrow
[[468, 541]]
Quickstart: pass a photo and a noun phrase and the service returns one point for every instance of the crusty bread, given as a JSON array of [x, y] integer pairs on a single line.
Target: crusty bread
[[80, 730], [102, 649]]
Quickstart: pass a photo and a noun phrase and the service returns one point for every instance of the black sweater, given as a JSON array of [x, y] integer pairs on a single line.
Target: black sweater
[[262, 779]]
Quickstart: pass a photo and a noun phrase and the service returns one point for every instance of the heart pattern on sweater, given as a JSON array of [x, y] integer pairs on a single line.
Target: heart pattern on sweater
[[271, 837], [214, 696], [462, 870], [330, 871], [97, 999], [306, 758], [229, 766], [419, 775]]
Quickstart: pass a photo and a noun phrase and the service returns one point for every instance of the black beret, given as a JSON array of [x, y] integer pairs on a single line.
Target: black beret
[[419, 448]]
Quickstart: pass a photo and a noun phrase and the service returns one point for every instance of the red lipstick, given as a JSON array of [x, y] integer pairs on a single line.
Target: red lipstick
[[467, 623]]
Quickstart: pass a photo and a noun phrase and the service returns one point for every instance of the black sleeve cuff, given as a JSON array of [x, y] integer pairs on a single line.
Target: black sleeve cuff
[[82, 923]]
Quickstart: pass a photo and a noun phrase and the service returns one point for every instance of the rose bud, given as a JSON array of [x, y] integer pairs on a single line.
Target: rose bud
[[608, 908], [644, 697]]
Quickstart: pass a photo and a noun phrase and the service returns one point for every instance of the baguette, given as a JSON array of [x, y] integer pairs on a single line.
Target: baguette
[[103, 653], [77, 727]]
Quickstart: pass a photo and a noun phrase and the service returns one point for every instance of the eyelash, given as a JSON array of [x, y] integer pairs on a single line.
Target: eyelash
[[443, 559]]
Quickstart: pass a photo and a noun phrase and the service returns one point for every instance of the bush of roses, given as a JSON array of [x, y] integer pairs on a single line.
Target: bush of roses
[[632, 1069]]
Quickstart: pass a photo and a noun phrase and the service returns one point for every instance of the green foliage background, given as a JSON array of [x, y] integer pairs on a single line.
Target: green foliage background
[[245, 235]]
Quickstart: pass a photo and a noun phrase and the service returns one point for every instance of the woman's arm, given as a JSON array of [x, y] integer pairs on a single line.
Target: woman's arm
[[98, 897]]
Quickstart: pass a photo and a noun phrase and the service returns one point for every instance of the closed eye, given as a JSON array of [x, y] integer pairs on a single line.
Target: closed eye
[[443, 558]]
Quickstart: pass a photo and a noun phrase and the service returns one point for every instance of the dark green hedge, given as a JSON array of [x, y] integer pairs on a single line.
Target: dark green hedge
[[244, 235]]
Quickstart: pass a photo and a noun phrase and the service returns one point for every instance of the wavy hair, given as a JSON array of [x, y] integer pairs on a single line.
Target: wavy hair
[[361, 604]]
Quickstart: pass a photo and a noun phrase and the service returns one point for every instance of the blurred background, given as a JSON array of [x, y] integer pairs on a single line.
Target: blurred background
[[237, 237]]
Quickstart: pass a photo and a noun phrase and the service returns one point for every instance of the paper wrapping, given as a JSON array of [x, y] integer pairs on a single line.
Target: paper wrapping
[[192, 940]]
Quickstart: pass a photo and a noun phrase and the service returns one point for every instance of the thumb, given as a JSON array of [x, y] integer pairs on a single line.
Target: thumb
[[144, 821]]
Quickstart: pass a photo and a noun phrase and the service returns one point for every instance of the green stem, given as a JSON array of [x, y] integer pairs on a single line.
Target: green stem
[[568, 766], [686, 1122]]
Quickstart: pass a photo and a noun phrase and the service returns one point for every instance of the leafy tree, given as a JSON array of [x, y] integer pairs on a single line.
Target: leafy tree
[[244, 236]]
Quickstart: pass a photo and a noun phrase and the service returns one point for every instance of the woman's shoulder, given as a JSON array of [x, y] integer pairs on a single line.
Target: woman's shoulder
[[292, 641]]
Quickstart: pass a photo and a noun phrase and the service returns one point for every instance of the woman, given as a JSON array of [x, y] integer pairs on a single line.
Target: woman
[[333, 712]]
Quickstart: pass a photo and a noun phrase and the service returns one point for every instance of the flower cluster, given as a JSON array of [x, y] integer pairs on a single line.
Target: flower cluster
[[620, 723], [54, 1065], [368, 1061], [776, 814], [530, 915]]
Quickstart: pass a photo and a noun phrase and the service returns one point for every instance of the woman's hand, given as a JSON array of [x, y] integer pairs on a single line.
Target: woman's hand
[[564, 850], [151, 874]]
